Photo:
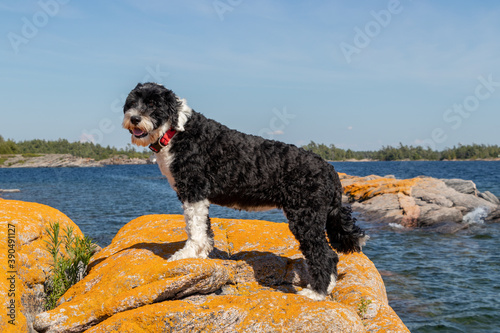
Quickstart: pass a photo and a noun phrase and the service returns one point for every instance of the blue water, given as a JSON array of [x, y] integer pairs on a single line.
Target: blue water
[[435, 282]]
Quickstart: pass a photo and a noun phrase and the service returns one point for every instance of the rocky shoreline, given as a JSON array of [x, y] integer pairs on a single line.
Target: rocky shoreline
[[65, 160], [443, 205], [249, 283], [255, 264]]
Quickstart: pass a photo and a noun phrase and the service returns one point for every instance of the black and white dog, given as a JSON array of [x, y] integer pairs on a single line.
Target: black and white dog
[[206, 162]]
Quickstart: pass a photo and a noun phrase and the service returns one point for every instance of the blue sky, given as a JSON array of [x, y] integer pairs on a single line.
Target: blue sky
[[360, 75]]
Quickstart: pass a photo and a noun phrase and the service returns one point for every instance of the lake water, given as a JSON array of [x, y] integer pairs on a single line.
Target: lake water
[[435, 282]]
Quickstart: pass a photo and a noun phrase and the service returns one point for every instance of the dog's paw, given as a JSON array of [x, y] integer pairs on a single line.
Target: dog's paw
[[192, 250], [184, 253], [309, 293]]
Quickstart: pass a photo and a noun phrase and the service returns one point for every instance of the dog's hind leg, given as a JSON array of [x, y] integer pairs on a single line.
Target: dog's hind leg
[[200, 240], [308, 227]]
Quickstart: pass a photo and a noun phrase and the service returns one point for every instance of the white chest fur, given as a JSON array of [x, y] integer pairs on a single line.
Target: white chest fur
[[164, 159]]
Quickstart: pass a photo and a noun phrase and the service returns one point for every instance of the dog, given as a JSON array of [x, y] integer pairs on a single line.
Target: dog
[[207, 163]]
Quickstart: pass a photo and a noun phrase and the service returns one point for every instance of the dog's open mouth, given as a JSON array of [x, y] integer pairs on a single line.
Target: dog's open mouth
[[138, 133]]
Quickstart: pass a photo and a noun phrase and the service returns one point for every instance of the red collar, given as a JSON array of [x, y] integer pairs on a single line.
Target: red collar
[[163, 141]]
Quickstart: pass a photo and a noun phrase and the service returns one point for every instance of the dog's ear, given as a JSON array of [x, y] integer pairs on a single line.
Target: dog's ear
[[138, 85], [172, 106]]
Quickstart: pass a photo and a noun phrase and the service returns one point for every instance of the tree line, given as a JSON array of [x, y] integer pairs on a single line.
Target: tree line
[[63, 146], [331, 153], [404, 152]]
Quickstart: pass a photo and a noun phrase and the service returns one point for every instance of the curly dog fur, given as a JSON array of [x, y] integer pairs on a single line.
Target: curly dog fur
[[208, 163]]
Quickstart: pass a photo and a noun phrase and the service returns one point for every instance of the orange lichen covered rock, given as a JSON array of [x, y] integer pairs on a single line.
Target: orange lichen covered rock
[[265, 311], [22, 233], [367, 189], [249, 283]]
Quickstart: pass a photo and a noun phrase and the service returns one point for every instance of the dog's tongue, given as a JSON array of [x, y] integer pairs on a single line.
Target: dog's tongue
[[137, 132]]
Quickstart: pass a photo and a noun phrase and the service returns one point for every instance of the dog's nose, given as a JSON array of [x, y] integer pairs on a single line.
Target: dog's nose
[[135, 120]]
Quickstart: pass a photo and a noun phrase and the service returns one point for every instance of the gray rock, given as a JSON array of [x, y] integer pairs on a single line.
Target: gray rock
[[470, 202], [462, 186], [434, 214], [487, 195], [443, 193], [427, 197], [493, 216], [384, 208]]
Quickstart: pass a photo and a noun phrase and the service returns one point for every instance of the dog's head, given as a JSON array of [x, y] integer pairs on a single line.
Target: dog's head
[[150, 110]]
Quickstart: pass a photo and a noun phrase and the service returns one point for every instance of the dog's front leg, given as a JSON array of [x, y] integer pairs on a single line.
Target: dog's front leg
[[200, 236]]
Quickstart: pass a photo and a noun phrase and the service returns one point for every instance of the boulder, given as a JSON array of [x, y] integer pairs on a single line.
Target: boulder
[[25, 224], [418, 202], [462, 186], [494, 216], [487, 195], [248, 284]]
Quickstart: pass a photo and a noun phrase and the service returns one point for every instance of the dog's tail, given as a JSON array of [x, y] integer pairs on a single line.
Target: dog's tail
[[344, 235]]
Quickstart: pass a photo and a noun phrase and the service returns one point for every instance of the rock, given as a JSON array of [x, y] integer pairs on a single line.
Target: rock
[[248, 285], [411, 211], [434, 214], [10, 191], [48, 161], [124, 160], [264, 311], [65, 160], [32, 260], [381, 208], [462, 186], [493, 216], [364, 190], [416, 202], [487, 195]]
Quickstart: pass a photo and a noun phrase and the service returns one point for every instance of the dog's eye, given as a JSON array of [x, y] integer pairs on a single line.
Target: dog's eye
[[151, 103]]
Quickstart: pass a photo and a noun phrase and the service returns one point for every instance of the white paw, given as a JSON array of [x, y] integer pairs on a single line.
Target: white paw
[[192, 250], [308, 292], [183, 253]]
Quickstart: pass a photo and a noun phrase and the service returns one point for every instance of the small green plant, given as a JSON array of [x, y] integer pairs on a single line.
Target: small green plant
[[66, 269], [363, 306]]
